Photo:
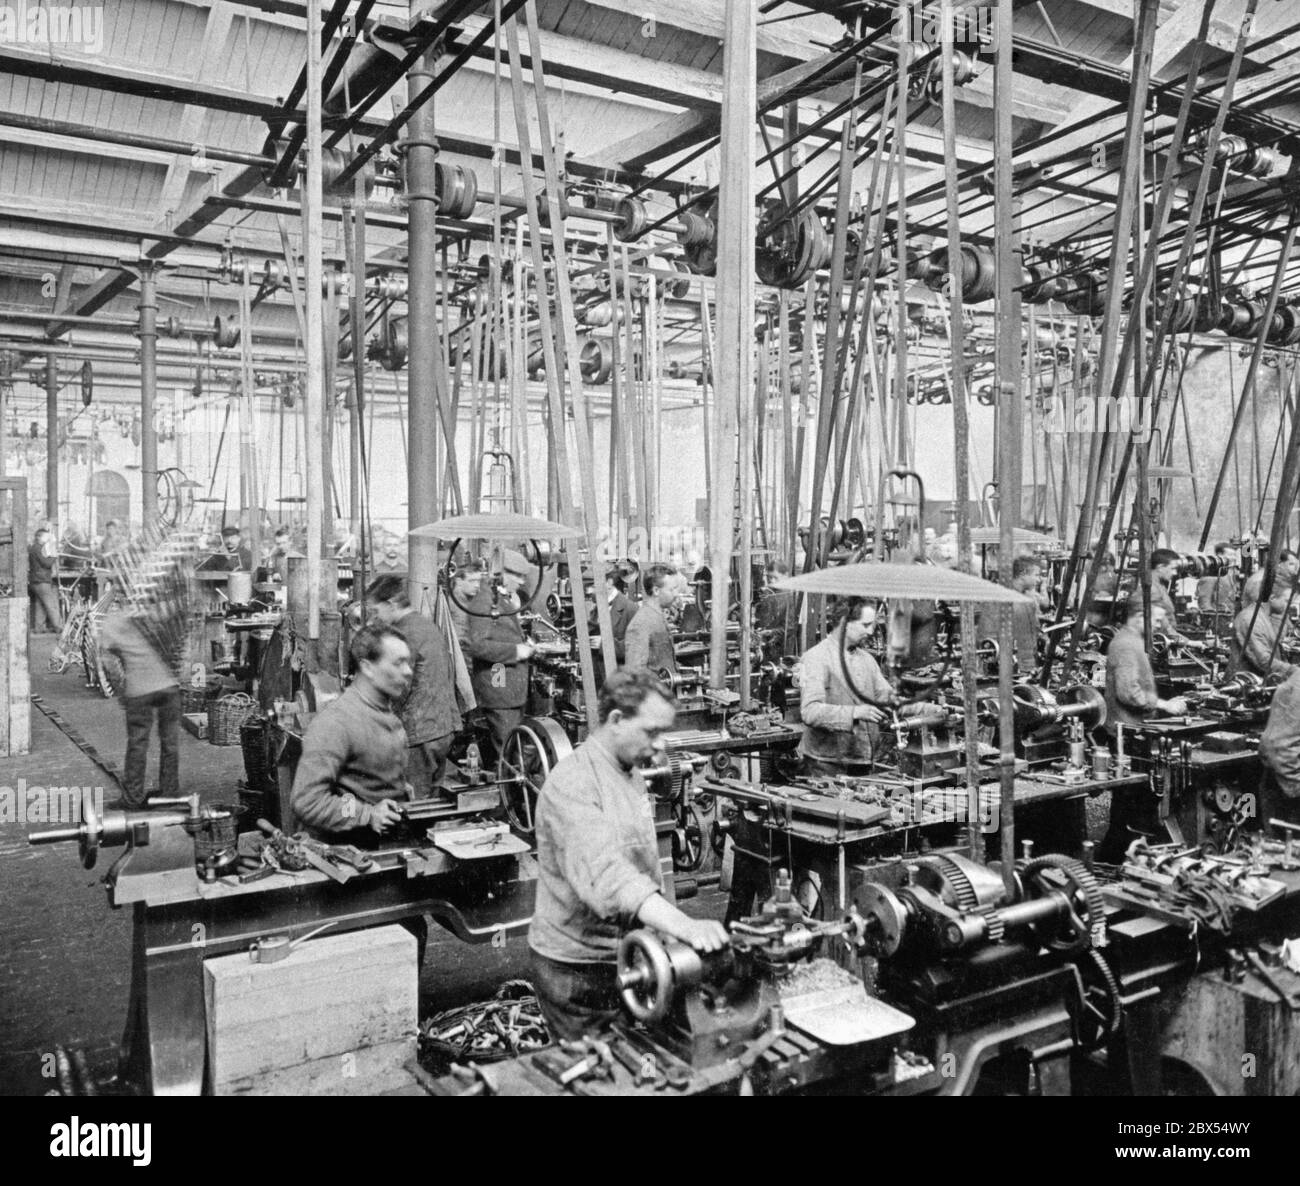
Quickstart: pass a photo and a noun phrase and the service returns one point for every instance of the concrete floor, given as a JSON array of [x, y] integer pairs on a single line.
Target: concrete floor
[[65, 953]]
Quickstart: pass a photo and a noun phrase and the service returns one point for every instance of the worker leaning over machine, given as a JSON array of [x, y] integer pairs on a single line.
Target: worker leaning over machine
[[1131, 698], [648, 642], [598, 860], [1279, 751], [841, 728], [352, 772], [429, 712], [1131, 695], [1255, 632], [499, 652], [1286, 569]]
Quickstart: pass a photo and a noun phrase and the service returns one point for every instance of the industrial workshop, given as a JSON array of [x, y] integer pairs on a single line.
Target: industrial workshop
[[649, 548]]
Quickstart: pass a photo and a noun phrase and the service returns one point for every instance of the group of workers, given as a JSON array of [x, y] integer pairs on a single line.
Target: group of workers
[[386, 739]]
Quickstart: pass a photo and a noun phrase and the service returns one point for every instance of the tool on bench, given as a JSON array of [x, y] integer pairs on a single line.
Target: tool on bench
[[593, 1062], [341, 862], [644, 1067]]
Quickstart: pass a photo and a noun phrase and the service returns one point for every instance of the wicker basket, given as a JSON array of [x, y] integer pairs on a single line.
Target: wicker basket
[[258, 772], [226, 715]]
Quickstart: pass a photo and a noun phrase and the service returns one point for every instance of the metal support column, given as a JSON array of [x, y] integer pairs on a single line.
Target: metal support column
[[148, 394], [313, 236], [422, 478], [733, 353], [51, 437]]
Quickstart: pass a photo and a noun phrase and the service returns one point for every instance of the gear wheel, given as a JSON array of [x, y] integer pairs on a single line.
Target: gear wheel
[[996, 928], [1058, 872], [1101, 1014], [955, 876]]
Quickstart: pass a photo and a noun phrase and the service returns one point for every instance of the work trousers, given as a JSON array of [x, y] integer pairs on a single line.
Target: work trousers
[[45, 607], [575, 999], [501, 723], [426, 764], [140, 713]]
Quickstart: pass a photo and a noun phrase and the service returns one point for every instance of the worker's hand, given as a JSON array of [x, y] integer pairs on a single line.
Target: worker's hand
[[914, 708], [868, 712], [383, 815], [704, 934], [524, 652], [1176, 707]]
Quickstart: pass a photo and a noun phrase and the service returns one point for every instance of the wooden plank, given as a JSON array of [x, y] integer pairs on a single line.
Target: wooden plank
[[623, 71], [332, 996], [376, 1070]]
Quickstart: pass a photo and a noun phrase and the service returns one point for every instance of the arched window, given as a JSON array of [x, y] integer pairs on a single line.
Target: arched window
[[112, 500]]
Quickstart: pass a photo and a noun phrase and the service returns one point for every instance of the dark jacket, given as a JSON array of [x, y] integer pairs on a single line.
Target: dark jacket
[[500, 680], [353, 756], [40, 567], [429, 711], [621, 612], [1131, 694]]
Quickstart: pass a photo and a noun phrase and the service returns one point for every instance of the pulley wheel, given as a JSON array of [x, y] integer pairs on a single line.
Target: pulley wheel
[[532, 751]]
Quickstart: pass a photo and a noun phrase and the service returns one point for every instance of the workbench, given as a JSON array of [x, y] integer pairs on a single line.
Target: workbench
[[180, 920]]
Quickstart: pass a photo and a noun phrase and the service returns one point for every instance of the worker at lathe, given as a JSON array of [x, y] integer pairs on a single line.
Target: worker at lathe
[[599, 872], [352, 772]]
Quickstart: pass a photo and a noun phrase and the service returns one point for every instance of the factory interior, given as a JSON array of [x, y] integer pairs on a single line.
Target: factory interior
[[650, 549]]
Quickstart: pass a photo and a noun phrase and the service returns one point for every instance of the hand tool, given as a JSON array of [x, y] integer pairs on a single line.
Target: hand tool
[[312, 853]]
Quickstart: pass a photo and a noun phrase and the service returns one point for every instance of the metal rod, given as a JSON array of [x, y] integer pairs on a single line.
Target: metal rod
[[314, 403]]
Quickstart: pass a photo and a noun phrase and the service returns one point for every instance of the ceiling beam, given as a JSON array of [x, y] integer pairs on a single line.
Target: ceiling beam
[[797, 39], [617, 70], [215, 31]]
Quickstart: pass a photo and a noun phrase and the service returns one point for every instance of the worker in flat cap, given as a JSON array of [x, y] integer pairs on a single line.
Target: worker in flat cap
[[497, 649]]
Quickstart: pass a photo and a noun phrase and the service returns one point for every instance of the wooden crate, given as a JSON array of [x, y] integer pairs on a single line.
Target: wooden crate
[[1239, 1036], [195, 723], [338, 1017]]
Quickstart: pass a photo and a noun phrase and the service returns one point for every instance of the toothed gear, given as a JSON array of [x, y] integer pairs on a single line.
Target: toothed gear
[[995, 927], [955, 876], [1102, 1001], [1079, 884]]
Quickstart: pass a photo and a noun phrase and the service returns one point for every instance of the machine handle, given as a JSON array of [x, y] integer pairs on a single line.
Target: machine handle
[[55, 836]]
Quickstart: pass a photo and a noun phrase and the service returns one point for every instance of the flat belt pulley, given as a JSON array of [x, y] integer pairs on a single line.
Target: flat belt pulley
[[791, 248], [457, 190], [531, 752]]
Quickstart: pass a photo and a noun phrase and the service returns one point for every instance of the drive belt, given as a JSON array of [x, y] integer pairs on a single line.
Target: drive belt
[[80, 742]]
